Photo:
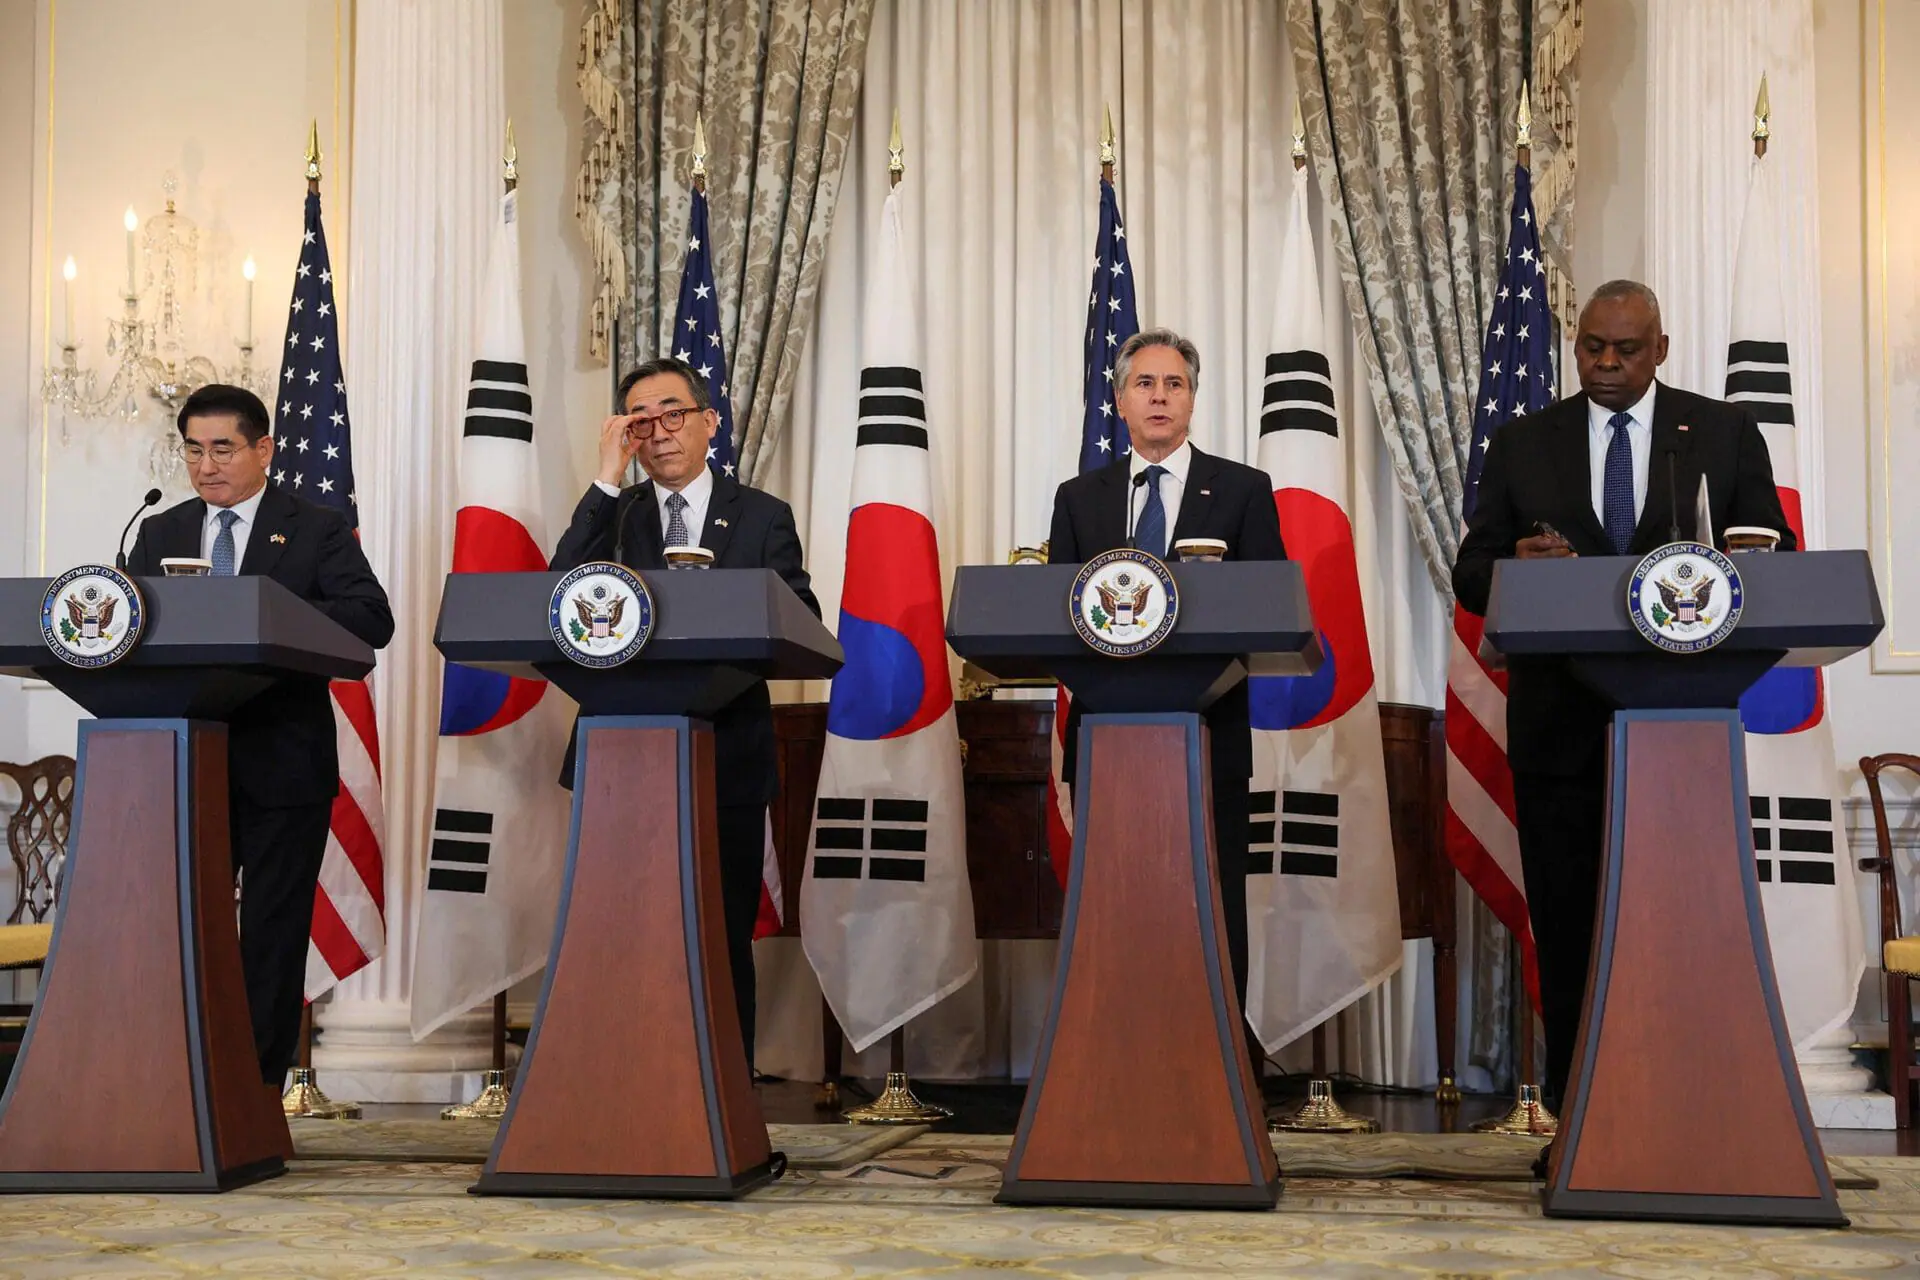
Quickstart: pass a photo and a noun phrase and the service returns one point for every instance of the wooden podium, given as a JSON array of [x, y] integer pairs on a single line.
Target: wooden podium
[[635, 1080], [1685, 1101], [1142, 1091], [138, 1070]]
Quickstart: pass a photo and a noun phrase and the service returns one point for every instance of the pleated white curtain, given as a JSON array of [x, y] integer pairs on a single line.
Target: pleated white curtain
[[1705, 59], [1000, 104], [429, 119]]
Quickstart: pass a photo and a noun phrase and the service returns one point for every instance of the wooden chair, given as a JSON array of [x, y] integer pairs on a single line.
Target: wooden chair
[[1900, 956], [37, 836]]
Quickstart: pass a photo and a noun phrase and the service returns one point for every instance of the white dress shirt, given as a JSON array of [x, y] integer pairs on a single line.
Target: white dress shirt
[[246, 509], [699, 496], [1173, 486], [1639, 439]]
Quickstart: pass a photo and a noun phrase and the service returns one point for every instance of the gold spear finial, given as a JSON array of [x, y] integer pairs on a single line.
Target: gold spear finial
[[1524, 135], [1106, 137], [1762, 110], [1299, 137], [699, 150], [896, 157], [510, 159], [313, 151]]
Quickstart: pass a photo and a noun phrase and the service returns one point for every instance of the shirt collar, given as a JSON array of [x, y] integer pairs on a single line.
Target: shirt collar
[[1641, 411], [1177, 463], [697, 491], [246, 509]]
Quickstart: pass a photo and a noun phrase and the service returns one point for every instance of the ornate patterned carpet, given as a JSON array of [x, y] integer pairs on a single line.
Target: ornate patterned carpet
[[924, 1208]]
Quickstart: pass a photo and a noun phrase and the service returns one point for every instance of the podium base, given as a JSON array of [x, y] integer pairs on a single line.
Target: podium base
[[1142, 1195], [630, 1187]]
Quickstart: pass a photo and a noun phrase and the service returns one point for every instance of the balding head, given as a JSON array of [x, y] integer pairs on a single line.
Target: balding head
[[1620, 344]]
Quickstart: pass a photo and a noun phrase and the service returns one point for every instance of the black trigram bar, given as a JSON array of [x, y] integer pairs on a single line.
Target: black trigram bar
[[893, 407], [1298, 394], [1309, 842], [1772, 834], [1261, 807], [463, 837], [856, 833], [499, 402], [1759, 377]]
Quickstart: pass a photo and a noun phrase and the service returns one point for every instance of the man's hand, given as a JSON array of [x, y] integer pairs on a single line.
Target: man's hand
[[1542, 546], [616, 449]]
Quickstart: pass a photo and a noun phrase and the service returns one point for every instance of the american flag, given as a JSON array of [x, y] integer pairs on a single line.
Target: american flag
[[1516, 378], [313, 455], [1111, 319], [696, 330]]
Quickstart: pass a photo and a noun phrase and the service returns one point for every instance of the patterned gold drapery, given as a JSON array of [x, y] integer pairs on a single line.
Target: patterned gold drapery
[[778, 81]]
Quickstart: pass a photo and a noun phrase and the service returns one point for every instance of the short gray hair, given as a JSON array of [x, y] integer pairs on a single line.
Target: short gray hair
[[1123, 363], [1625, 289]]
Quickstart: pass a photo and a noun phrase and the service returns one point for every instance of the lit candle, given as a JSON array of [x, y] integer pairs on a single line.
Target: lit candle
[[69, 271], [133, 224], [246, 270]]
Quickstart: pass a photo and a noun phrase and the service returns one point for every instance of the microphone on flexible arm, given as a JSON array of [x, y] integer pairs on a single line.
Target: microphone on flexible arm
[[120, 560], [1139, 482], [1673, 499]]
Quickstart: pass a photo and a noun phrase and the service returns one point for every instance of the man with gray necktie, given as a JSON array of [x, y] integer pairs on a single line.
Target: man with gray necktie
[[283, 762], [1161, 492], [667, 424], [1595, 474]]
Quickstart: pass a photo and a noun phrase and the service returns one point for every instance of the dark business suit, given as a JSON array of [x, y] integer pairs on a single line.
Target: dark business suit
[[1223, 500], [745, 529], [1538, 469], [283, 761]]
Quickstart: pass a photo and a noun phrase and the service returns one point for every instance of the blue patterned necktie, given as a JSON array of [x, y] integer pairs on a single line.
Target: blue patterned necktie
[[1150, 534], [676, 522], [223, 566], [1618, 513]]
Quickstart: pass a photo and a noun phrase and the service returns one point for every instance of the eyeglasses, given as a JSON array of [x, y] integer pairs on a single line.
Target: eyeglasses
[[221, 453], [642, 428]]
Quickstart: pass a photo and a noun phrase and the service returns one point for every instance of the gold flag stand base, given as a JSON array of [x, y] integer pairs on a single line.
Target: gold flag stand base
[[1321, 1114], [1447, 1094], [897, 1105], [490, 1105], [304, 1100], [1528, 1115]]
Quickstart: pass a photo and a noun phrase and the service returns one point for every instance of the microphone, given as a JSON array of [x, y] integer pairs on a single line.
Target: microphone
[[120, 560], [1673, 500], [1139, 482]]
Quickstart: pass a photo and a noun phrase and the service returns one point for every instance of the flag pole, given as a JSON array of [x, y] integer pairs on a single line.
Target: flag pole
[[1529, 1113], [304, 1099], [495, 1092], [897, 1103]]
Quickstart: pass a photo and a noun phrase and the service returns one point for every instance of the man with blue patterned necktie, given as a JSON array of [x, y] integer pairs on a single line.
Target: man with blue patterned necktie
[[283, 759], [1595, 474], [1162, 492]]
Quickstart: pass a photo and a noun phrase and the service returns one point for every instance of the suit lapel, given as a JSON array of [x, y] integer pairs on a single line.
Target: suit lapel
[[274, 522], [1196, 498], [1657, 515], [643, 546], [723, 513], [183, 536], [1575, 467]]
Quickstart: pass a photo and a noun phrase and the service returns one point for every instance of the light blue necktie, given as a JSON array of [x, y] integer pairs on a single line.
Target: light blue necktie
[[676, 524], [223, 566], [1617, 500], [1150, 534]]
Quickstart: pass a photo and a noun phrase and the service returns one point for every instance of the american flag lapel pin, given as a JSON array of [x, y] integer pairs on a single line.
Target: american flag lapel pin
[[1206, 493], [1683, 426]]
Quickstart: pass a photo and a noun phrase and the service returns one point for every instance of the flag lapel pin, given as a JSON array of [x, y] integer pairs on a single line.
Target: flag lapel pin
[[279, 538], [1206, 493], [718, 523]]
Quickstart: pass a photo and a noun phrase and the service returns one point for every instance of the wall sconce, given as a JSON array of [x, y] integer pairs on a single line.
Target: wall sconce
[[149, 357]]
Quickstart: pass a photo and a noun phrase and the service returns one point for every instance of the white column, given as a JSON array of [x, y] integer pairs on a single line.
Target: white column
[[428, 117], [1839, 1094]]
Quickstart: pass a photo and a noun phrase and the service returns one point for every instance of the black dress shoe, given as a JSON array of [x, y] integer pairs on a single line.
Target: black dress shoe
[[1540, 1162]]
